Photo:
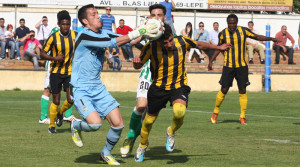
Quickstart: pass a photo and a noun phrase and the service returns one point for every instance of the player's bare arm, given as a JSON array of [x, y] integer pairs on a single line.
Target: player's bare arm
[[59, 57], [137, 63]]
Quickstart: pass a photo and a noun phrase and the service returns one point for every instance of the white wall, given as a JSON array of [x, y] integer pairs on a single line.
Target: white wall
[[32, 15]]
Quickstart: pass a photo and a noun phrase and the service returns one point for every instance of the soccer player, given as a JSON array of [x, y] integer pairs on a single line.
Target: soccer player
[[62, 46], [46, 94], [91, 99], [158, 12], [235, 65], [167, 56]]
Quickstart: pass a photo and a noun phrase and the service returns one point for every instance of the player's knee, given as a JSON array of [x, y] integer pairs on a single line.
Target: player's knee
[[141, 108], [94, 127], [149, 120], [179, 110]]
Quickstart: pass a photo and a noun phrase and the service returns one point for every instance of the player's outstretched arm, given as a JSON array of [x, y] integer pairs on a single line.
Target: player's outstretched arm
[[205, 45], [137, 63], [264, 38], [215, 55]]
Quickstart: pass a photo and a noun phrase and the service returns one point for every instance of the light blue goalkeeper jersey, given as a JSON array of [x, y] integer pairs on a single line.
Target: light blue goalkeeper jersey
[[89, 55]]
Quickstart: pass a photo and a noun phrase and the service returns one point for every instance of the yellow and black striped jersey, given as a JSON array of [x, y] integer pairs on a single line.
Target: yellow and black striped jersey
[[168, 67], [59, 44], [236, 56]]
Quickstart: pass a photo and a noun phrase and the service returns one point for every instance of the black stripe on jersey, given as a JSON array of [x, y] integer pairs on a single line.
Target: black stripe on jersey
[[165, 67], [182, 44], [175, 68], [225, 41], [154, 54], [145, 51], [47, 42], [63, 52], [232, 49], [56, 51], [113, 36], [70, 53], [190, 42], [239, 48], [84, 36]]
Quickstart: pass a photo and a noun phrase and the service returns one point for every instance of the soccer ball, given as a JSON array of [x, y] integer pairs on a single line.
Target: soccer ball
[[160, 27]]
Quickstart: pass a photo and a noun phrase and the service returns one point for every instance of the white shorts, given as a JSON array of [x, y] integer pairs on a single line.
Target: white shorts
[[143, 88], [47, 79]]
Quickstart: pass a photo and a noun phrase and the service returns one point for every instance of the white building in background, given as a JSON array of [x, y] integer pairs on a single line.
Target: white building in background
[[33, 10]]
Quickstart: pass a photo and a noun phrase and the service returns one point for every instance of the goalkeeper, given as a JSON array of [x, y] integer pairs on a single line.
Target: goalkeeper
[[91, 99]]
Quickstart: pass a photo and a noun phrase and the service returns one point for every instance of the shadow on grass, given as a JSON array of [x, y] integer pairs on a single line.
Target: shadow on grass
[[229, 121], [160, 153], [61, 130], [93, 158]]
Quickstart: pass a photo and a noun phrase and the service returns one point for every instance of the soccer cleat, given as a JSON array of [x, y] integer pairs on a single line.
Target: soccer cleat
[[170, 143], [140, 154], [45, 121], [59, 119], [71, 118], [76, 136], [126, 149], [243, 121], [52, 130], [109, 159], [214, 118]]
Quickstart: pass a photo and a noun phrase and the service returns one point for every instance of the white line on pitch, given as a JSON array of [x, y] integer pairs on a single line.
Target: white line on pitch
[[205, 112]]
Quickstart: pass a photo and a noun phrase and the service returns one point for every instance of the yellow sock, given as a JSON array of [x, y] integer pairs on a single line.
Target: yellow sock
[[53, 113], [178, 115], [219, 99], [146, 127], [243, 104], [65, 107]]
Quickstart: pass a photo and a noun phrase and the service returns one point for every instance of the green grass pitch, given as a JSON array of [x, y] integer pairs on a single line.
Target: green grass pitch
[[271, 138]]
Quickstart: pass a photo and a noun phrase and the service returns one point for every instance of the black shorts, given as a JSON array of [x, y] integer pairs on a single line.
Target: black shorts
[[240, 74], [158, 98], [57, 81]]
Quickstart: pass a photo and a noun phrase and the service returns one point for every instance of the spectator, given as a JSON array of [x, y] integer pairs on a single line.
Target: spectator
[[113, 55], [108, 20], [43, 30], [20, 33], [214, 38], [126, 48], [254, 45], [200, 35], [30, 45], [10, 42], [280, 46], [169, 6], [2, 38], [188, 31]]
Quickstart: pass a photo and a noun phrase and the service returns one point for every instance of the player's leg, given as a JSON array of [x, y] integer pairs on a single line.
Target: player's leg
[[243, 82], [55, 86], [116, 122], [45, 96], [157, 99], [68, 103], [44, 106], [226, 82], [83, 103], [179, 101]]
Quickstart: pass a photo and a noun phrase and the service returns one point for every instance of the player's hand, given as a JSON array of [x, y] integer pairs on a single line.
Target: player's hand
[[225, 46], [136, 59], [149, 29], [274, 40], [210, 66], [152, 29], [59, 58]]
